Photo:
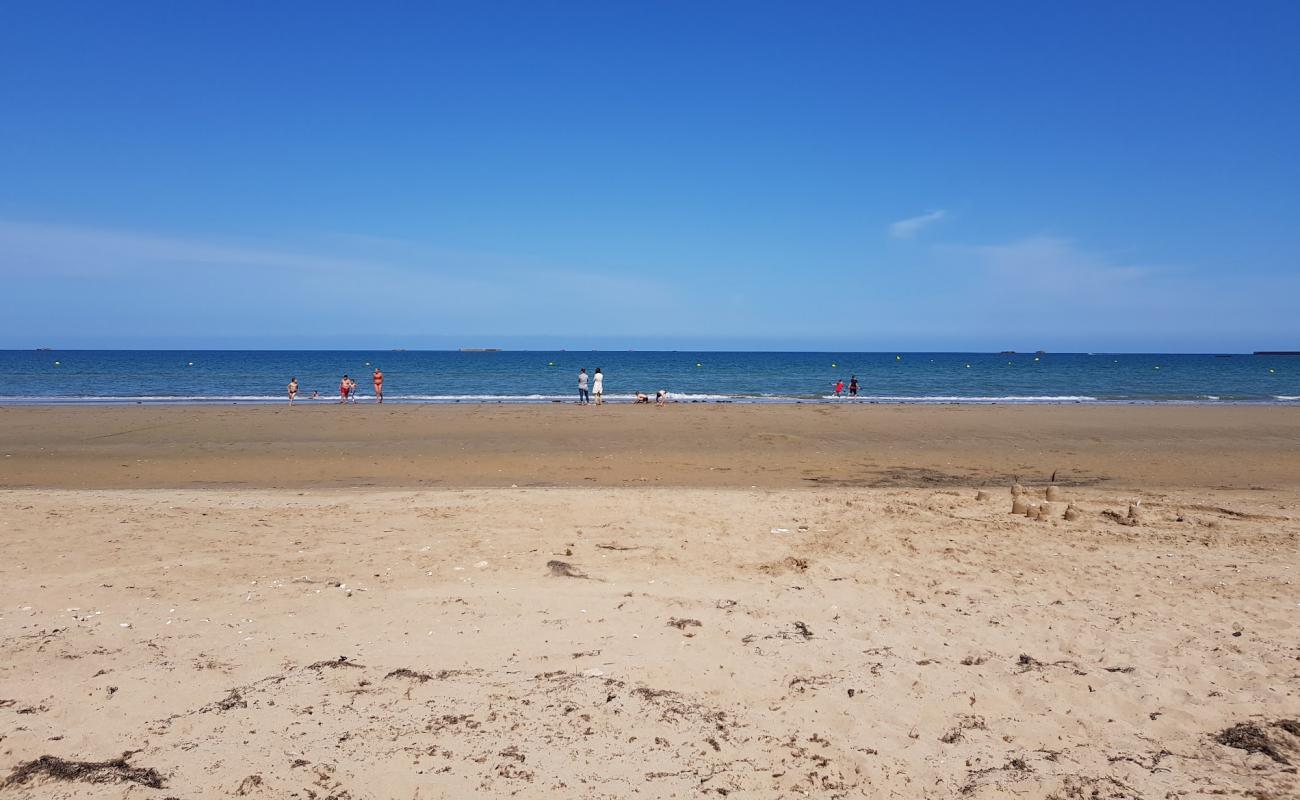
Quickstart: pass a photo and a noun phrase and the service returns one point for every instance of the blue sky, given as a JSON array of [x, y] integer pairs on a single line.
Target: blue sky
[[748, 175]]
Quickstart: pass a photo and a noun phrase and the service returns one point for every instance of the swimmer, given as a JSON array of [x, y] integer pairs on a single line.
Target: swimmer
[[853, 386], [345, 388], [379, 385], [292, 389], [839, 387]]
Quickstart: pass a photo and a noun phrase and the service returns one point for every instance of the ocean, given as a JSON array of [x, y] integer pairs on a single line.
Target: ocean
[[225, 376]]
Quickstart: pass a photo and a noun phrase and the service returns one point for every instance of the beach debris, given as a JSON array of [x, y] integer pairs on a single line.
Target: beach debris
[[1019, 505], [725, 604], [249, 785], [803, 630], [780, 530], [802, 684], [1053, 493], [981, 496], [233, 700], [1028, 663], [1071, 513], [1133, 512], [682, 624], [341, 661], [403, 672], [116, 770], [1256, 738], [563, 569], [965, 722]]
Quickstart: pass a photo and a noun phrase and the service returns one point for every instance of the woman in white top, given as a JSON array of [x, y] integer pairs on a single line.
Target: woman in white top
[[598, 387]]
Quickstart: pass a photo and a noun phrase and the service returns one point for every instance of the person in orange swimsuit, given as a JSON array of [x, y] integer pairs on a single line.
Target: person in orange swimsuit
[[379, 385]]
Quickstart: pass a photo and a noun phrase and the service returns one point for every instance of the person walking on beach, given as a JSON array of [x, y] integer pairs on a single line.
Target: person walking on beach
[[352, 390], [584, 397], [345, 386], [839, 387], [293, 389], [379, 385], [853, 386], [598, 387]]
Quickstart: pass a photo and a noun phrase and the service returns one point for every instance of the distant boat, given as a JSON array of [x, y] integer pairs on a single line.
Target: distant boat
[[480, 349], [1007, 353], [44, 349], [399, 350], [1277, 352], [1040, 352]]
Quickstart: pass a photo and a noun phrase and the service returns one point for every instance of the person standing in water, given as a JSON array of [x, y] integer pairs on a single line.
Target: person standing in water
[[839, 387], [598, 387], [853, 386], [345, 386], [584, 397], [293, 389], [379, 386]]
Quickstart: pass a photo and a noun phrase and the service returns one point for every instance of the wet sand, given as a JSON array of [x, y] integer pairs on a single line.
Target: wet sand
[[681, 445]]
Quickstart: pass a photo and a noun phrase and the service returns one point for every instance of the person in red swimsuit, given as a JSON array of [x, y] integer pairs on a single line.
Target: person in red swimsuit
[[379, 386], [345, 388]]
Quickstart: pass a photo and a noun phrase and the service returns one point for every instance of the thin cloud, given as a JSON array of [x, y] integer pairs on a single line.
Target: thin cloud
[[1054, 265], [910, 227], [188, 285]]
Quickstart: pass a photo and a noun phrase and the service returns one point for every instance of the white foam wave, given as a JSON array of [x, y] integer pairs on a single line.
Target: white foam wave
[[1071, 398], [679, 397]]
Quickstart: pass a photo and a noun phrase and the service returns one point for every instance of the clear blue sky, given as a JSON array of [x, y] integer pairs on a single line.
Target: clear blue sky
[[969, 176]]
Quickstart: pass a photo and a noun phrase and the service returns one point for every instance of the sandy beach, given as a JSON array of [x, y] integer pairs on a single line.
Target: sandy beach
[[698, 601]]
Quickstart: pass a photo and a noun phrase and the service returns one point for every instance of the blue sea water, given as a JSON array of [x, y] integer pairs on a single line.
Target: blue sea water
[[210, 376]]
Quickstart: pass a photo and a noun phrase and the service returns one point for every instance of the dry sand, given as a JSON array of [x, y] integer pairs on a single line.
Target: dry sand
[[875, 632]]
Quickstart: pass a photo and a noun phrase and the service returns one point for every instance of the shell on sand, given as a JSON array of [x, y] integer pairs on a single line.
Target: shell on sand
[[1018, 505], [1054, 493]]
